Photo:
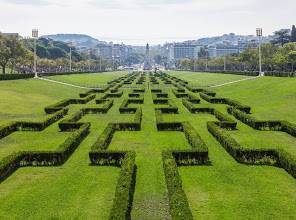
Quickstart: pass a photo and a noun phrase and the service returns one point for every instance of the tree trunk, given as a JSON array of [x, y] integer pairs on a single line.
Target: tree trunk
[[3, 69]]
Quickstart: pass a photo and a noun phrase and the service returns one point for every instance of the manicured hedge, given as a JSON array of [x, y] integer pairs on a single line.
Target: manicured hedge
[[245, 73], [193, 99], [156, 90], [43, 158], [64, 103], [274, 157], [122, 202], [11, 127], [72, 124], [211, 99], [104, 139], [98, 90], [124, 106], [7, 129], [179, 207], [180, 93], [261, 124], [135, 125], [193, 138], [170, 109], [16, 76], [166, 126], [191, 157], [224, 120], [227, 101]]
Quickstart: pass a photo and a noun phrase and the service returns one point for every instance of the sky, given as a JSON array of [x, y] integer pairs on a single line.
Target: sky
[[139, 21]]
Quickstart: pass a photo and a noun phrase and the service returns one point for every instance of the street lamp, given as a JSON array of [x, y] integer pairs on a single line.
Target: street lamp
[[89, 58], [224, 62], [70, 56], [35, 36], [206, 59], [259, 35]]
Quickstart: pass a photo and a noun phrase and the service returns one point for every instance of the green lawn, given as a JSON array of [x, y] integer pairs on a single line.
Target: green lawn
[[206, 79], [89, 79], [223, 190]]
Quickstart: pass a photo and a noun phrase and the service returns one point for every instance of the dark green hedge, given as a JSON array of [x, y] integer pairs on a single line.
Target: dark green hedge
[[43, 158], [98, 90], [11, 127], [16, 76], [224, 120], [122, 202], [261, 124], [64, 103], [193, 99], [191, 157], [227, 101], [179, 207], [124, 106], [180, 93], [274, 157], [193, 138], [104, 139], [73, 124]]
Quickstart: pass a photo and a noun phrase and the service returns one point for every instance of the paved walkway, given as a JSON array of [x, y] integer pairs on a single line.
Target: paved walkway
[[66, 84], [236, 81], [85, 87]]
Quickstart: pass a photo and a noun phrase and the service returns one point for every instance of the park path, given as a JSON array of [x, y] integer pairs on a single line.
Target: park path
[[236, 81], [63, 83], [86, 87]]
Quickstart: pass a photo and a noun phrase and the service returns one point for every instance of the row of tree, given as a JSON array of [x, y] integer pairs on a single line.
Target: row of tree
[[16, 55], [274, 58]]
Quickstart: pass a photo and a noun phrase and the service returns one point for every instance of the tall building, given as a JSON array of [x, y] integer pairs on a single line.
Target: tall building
[[222, 50], [147, 61], [184, 50], [105, 51]]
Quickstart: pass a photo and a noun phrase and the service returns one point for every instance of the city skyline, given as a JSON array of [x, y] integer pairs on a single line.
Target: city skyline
[[138, 22]]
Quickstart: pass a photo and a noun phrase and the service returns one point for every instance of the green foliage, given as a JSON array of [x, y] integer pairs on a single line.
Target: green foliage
[[122, 202], [179, 207], [293, 34], [16, 76]]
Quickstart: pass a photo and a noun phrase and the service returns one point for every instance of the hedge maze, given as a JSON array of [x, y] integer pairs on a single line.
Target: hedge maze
[[170, 98]]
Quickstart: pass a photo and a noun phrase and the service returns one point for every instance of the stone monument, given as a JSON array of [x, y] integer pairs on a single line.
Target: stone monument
[[147, 62]]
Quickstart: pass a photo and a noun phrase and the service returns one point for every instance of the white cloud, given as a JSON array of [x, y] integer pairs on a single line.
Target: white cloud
[[138, 21]]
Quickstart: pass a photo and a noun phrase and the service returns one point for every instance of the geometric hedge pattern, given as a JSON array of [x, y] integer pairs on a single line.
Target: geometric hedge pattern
[[164, 90]]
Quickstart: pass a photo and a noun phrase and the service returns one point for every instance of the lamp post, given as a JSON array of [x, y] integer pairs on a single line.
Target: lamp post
[[224, 62], [70, 57], [259, 35], [35, 36], [89, 58], [206, 59]]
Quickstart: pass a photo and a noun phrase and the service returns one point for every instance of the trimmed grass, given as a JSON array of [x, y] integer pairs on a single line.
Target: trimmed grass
[[206, 79], [223, 190], [89, 79], [26, 99]]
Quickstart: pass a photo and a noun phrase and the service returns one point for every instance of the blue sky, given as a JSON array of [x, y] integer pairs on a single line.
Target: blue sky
[[140, 21]]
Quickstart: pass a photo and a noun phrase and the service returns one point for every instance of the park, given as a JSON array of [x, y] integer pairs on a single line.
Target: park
[[148, 145]]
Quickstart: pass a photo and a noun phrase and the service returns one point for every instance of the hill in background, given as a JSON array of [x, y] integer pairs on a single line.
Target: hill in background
[[80, 41]]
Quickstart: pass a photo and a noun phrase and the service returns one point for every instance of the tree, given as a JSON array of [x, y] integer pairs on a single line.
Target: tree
[[268, 51], [281, 37], [11, 49], [56, 52], [4, 53], [17, 50], [293, 34], [292, 59], [250, 58]]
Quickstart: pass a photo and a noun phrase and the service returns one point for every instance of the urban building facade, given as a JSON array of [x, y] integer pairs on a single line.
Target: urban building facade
[[183, 50]]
